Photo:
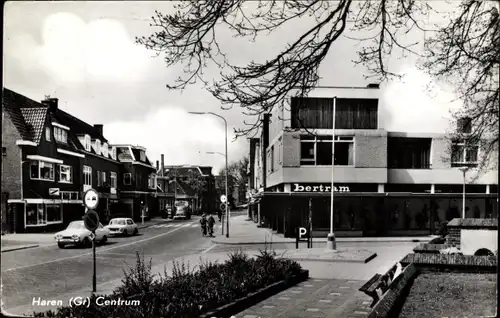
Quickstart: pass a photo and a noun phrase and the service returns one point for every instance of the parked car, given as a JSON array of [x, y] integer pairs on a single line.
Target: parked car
[[122, 226], [77, 234], [182, 213]]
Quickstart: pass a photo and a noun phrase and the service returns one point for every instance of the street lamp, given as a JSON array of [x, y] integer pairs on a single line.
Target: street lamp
[[464, 170], [330, 239], [219, 153], [225, 131]]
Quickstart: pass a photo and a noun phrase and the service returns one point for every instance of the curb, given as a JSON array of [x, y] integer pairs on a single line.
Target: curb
[[369, 258], [216, 241], [248, 301], [17, 248]]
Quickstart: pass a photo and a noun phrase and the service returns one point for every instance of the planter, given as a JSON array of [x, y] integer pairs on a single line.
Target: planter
[[251, 299], [430, 248]]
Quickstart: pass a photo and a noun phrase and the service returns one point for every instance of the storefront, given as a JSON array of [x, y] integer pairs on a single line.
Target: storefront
[[43, 215], [361, 210]]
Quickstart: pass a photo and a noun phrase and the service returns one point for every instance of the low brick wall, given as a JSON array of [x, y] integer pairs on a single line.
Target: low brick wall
[[452, 261], [453, 238], [430, 248]]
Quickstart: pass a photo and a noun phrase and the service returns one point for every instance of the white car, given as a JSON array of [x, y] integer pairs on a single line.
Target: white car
[[122, 226], [77, 234]]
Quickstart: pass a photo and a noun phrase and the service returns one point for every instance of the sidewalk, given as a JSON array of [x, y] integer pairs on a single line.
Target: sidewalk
[[243, 232], [17, 241]]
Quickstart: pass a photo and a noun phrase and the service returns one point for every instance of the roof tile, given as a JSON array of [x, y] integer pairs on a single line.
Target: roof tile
[[35, 121]]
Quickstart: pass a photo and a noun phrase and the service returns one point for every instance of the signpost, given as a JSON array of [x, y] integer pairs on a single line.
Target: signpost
[[91, 221], [302, 234]]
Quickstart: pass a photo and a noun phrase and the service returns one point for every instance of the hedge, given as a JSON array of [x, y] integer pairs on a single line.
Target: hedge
[[187, 293]]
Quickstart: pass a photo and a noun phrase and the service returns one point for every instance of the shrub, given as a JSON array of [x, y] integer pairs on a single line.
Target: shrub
[[188, 293]]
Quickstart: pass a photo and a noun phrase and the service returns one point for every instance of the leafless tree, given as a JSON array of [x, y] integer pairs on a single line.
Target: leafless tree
[[468, 46], [466, 53]]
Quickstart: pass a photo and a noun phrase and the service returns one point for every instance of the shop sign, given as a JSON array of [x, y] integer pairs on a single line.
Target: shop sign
[[297, 187]]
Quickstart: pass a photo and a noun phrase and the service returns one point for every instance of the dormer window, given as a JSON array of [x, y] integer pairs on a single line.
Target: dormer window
[[60, 135], [87, 143], [143, 156], [105, 150], [98, 146], [113, 153]]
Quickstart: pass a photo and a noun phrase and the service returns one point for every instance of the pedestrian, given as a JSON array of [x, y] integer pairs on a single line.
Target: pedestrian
[[219, 214], [203, 222], [211, 222]]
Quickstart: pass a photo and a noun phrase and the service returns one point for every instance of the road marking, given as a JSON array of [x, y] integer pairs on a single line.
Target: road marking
[[98, 251], [208, 249], [194, 225]]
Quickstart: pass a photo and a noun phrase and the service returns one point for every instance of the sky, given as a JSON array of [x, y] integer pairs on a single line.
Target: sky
[[84, 54]]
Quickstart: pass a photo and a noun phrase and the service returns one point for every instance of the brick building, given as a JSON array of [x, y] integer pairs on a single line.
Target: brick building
[[386, 183], [49, 159]]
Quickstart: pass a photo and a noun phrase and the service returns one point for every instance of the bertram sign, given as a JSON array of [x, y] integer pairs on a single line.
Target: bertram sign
[[297, 187]]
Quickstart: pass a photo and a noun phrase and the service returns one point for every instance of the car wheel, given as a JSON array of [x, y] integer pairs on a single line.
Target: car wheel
[[136, 231], [125, 233], [61, 245], [87, 242]]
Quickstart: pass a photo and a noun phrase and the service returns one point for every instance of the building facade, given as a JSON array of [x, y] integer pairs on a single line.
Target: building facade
[[385, 183], [50, 159]]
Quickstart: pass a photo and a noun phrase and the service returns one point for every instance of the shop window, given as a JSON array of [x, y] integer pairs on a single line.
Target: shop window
[[318, 150], [35, 215], [40, 170], [463, 154], [87, 175], [60, 135], [54, 213], [65, 174], [127, 179]]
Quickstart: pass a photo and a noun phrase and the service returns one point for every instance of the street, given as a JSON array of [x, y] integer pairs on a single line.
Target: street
[[52, 273], [58, 274]]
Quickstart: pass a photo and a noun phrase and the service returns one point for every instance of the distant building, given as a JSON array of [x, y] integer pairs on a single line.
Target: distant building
[[385, 183]]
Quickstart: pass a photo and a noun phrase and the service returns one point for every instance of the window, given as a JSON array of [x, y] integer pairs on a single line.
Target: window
[[87, 142], [127, 179], [143, 156], [105, 150], [47, 133], [54, 213], [40, 170], [270, 159], [98, 146], [104, 177], [35, 215], [464, 125], [113, 153], [152, 181], [87, 175], [99, 178], [409, 153], [60, 135], [351, 113], [65, 174], [112, 180], [317, 150], [280, 149], [463, 154]]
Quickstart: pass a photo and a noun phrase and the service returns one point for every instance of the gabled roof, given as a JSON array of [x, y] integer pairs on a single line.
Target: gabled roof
[[27, 115], [78, 126], [35, 121]]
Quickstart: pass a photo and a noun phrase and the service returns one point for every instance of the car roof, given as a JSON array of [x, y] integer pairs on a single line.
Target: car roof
[[120, 219]]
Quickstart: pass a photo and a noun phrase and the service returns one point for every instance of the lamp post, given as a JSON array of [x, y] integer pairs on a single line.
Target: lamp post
[[464, 170], [330, 239], [225, 131], [227, 203]]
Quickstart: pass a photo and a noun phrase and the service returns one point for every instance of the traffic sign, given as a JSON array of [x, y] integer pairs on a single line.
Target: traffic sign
[[91, 199], [92, 236], [91, 220], [223, 198], [223, 207]]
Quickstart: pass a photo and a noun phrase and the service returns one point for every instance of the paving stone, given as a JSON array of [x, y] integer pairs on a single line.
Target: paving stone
[[308, 285], [358, 312], [325, 301], [268, 306], [250, 316], [335, 294], [284, 298]]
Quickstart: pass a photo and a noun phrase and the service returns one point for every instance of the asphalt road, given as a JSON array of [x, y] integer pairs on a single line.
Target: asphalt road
[[52, 273]]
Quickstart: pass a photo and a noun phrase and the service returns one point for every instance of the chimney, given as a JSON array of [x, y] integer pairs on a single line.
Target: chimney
[[51, 103], [157, 165], [162, 165], [265, 143], [99, 129]]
